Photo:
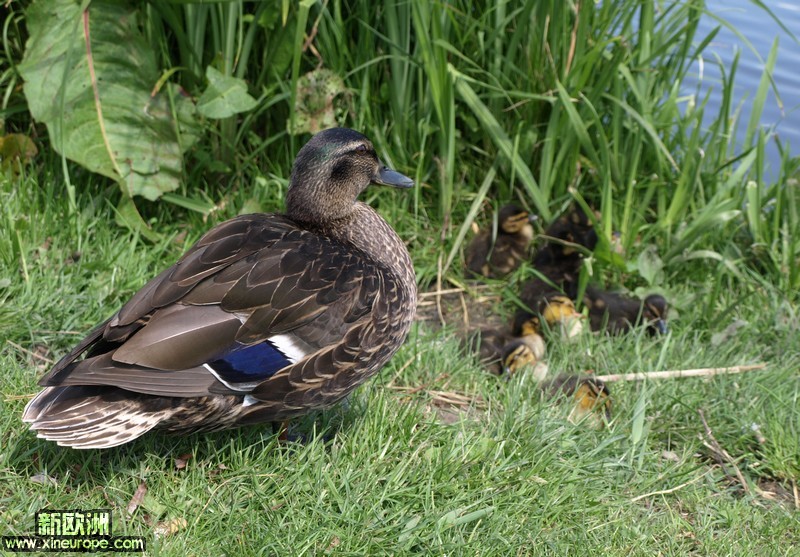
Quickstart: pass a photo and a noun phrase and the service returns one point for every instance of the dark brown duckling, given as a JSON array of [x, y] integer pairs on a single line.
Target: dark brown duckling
[[488, 344], [617, 314], [573, 228], [558, 260], [496, 255], [592, 397], [502, 353]]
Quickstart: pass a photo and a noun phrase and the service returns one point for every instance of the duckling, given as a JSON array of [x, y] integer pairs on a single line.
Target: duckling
[[557, 258], [267, 317], [504, 354], [556, 310], [540, 288], [617, 314], [488, 344], [557, 264], [496, 256], [525, 352], [592, 397]]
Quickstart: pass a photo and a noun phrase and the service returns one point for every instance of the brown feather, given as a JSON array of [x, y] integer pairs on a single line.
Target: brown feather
[[103, 370], [180, 337]]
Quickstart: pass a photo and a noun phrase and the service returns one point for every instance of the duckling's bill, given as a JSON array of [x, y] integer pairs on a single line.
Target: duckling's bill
[[660, 326]]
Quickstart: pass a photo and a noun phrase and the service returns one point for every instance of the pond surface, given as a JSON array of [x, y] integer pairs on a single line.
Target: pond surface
[[781, 117]]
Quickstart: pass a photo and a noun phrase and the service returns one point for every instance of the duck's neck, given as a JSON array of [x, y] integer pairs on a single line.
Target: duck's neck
[[366, 230]]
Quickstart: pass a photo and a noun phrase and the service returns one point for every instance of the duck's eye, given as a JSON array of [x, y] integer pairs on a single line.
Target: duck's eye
[[361, 149]]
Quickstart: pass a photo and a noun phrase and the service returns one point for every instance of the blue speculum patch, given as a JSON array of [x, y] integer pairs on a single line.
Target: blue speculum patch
[[251, 364]]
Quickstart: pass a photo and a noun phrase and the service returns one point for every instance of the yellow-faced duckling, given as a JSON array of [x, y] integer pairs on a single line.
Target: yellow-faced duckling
[[526, 349], [496, 255], [539, 288], [502, 353], [556, 310], [616, 314], [266, 317], [525, 354], [591, 397]]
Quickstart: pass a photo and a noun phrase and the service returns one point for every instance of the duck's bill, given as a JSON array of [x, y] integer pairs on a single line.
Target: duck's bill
[[388, 177]]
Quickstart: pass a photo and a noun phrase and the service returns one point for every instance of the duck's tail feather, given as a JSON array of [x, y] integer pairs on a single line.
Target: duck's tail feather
[[89, 417]]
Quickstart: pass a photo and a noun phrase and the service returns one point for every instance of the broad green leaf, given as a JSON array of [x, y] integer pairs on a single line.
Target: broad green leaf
[[408, 529], [448, 519], [299, 34], [757, 106], [470, 218], [225, 96], [91, 77], [128, 216], [473, 516], [646, 126], [650, 266], [754, 215], [639, 413]]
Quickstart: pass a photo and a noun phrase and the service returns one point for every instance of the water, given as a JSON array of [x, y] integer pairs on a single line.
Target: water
[[782, 117]]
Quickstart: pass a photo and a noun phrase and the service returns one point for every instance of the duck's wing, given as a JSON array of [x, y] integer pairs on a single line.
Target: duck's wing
[[254, 296]]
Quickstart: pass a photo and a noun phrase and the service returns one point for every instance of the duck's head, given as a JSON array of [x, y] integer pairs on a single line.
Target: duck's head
[[559, 309], [515, 220], [592, 398], [516, 355], [655, 313], [524, 353], [330, 172]]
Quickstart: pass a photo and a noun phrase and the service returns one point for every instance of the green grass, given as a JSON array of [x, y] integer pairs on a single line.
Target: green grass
[[544, 103], [384, 474]]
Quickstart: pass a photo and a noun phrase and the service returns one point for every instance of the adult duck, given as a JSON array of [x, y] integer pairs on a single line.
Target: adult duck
[[266, 317]]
